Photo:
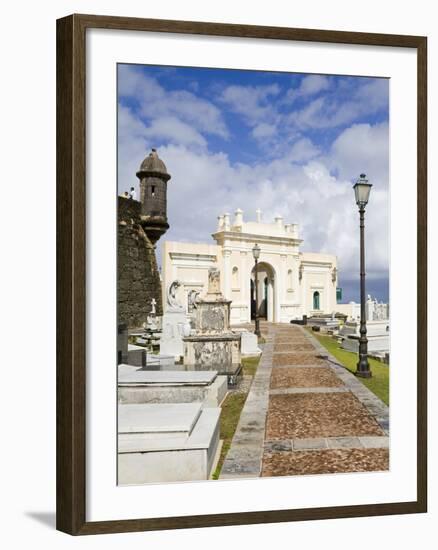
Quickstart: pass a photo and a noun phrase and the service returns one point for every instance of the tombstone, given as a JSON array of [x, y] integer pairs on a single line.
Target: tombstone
[[248, 342], [175, 324], [212, 344]]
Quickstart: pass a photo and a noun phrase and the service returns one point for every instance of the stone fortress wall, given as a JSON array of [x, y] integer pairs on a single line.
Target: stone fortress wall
[[138, 277]]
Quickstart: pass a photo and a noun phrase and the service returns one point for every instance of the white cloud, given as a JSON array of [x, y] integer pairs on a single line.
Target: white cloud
[[328, 111], [175, 131], [303, 150], [156, 102], [252, 102], [310, 85], [362, 148], [264, 130]]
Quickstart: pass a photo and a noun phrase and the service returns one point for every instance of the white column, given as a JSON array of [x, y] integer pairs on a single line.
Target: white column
[[304, 292], [272, 303], [245, 286], [282, 277], [226, 253], [296, 281]]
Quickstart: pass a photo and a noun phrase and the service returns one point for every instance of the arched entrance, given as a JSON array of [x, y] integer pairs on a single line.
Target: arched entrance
[[266, 292]]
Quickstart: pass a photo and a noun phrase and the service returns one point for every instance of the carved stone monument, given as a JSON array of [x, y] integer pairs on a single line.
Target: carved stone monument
[[175, 323], [212, 345]]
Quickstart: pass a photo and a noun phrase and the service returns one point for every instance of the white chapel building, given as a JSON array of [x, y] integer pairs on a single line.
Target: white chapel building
[[291, 283]]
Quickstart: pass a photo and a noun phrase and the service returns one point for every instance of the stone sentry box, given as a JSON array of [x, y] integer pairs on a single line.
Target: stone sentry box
[[140, 225]]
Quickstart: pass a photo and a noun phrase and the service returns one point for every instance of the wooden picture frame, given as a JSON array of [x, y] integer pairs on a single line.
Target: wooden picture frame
[[71, 272]]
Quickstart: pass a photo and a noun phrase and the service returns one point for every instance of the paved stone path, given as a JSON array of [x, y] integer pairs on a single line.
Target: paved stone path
[[306, 414]]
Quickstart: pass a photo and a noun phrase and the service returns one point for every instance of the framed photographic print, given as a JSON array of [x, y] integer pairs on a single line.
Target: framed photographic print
[[241, 288]]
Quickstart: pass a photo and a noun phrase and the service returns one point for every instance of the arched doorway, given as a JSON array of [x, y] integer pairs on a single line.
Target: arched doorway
[[266, 292]]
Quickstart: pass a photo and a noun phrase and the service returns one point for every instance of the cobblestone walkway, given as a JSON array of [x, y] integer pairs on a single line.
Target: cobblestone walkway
[[306, 414]]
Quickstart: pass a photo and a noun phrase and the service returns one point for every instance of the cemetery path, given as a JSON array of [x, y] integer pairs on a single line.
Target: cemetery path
[[306, 414]]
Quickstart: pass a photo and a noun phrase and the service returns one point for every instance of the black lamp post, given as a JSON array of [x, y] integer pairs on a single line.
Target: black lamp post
[[256, 255], [362, 192]]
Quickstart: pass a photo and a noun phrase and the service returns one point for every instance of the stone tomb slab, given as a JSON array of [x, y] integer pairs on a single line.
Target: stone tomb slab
[[166, 442], [173, 378], [167, 420], [137, 386]]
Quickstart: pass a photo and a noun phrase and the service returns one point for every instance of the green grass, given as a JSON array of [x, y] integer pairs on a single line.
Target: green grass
[[249, 365], [378, 383], [230, 414], [231, 411]]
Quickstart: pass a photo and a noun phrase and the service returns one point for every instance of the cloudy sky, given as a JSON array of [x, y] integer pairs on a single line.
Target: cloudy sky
[[289, 144]]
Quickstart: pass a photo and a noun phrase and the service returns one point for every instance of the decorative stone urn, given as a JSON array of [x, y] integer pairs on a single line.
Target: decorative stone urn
[[212, 344]]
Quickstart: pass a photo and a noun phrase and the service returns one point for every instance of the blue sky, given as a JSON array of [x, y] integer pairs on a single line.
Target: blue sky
[[290, 144]]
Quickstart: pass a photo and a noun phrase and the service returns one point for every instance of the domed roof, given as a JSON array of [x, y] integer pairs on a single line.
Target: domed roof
[[152, 165]]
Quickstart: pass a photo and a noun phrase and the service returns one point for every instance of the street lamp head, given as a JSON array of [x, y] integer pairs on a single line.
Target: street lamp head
[[362, 191], [256, 251]]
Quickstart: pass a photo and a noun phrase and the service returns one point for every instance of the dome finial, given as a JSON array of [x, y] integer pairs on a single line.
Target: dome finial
[[153, 166]]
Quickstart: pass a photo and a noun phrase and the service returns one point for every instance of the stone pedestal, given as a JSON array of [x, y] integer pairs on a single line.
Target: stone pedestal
[[136, 355], [212, 344], [217, 351]]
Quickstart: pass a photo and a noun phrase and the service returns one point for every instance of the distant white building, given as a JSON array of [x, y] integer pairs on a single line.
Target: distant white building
[[291, 283]]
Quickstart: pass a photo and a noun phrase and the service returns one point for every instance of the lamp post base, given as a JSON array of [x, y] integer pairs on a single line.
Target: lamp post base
[[363, 368], [363, 374]]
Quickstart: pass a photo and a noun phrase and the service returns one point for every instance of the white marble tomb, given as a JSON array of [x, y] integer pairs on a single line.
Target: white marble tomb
[[136, 386], [166, 442]]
